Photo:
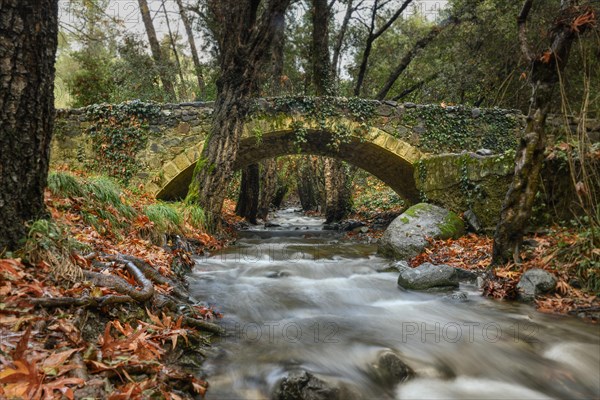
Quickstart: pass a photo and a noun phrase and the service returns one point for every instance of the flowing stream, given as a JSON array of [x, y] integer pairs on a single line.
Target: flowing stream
[[296, 297]]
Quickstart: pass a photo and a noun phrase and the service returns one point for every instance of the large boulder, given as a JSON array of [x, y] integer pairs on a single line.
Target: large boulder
[[407, 235], [534, 282], [429, 276]]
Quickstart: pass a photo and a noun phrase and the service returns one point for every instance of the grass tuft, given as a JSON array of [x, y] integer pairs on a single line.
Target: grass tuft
[[166, 218], [65, 184]]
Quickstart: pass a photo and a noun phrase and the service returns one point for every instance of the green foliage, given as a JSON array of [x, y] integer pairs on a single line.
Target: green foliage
[[372, 196], [135, 73], [456, 129], [118, 133]]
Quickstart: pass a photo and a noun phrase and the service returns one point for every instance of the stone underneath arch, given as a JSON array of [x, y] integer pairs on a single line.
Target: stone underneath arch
[[389, 159]]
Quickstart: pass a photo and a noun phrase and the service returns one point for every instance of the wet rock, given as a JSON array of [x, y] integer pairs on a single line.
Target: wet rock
[[407, 235], [351, 225], [389, 369], [277, 274], [331, 227], [397, 266], [457, 297], [472, 221], [428, 276], [534, 282], [271, 225], [466, 275], [302, 385]]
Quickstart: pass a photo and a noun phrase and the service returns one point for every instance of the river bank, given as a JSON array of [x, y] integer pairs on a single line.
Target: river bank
[[96, 305]]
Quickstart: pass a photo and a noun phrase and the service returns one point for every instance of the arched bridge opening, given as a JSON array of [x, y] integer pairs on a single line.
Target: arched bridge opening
[[389, 159]]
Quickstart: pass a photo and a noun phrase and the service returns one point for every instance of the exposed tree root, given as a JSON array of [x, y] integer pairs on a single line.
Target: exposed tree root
[[145, 276]]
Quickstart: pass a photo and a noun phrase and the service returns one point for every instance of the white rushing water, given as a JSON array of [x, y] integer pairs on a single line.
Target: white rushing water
[[294, 297]]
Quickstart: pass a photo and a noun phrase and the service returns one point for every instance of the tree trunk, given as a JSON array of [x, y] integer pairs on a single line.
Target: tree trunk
[[28, 42], [321, 65], [310, 189], [247, 204], [192, 42], [337, 198], [546, 69], [182, 90], [339, 41], [371, 37], [268, 187], [338, 201], [244, 33], [156, 52], [277, 59]]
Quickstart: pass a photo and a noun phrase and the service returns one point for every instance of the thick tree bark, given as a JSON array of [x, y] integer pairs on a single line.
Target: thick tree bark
[[28, 41], [247, 204], [244, 33], [371, 37], [194, 50], [545, 74], [156, 52]]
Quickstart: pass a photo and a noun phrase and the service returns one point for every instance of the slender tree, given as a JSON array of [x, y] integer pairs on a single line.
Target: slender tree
[[546, 67], [244, 31], [187, 24], [160, 61], [28, 42], [173, 42], [337, 185], [372, 35]]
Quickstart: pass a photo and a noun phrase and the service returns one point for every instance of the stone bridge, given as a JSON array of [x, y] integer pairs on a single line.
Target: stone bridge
[[397, 143]]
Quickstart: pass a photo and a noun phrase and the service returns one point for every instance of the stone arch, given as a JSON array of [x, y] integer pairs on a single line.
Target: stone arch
[[377, 152]]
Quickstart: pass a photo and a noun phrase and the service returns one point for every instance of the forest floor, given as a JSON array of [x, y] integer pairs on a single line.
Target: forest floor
[[95, 306]]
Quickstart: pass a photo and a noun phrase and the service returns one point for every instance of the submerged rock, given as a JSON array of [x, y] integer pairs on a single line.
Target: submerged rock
[[428, 276], [389, 369], [302, 385], [407, 235], [534, 282]]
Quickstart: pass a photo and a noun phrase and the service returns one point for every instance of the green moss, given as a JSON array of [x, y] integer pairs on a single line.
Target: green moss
[[417, 210], [404, 220], [452, 227]]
